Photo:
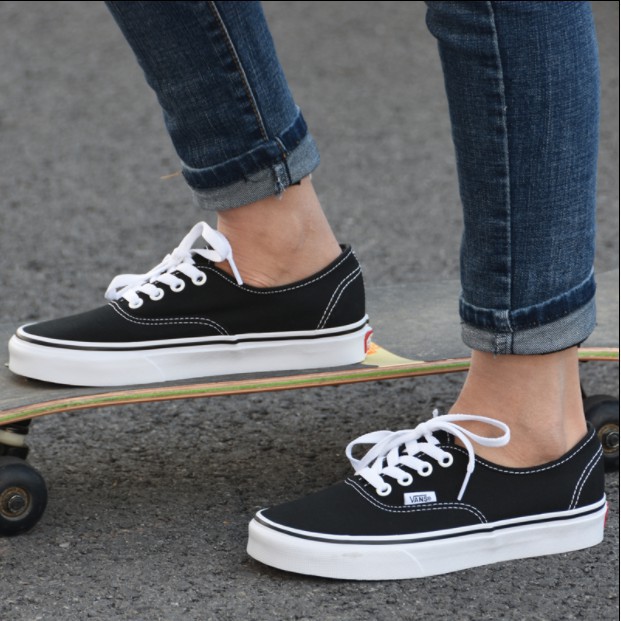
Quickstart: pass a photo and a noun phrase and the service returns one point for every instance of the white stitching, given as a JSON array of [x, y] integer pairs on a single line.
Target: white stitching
[[351, 277], [529, 471], [167, 321], [583, 478], [224, 276], [434, 507], [276, 290]]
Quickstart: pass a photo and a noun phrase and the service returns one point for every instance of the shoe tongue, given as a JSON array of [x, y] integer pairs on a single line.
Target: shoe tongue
[[445, 438], [199, 260]]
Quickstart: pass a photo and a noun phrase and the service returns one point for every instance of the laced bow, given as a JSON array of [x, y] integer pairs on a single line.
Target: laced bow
[[386, 457], [181, 259]]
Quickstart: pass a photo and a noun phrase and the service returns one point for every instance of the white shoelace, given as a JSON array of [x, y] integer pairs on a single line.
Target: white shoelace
[[181, 259], [386, 458]]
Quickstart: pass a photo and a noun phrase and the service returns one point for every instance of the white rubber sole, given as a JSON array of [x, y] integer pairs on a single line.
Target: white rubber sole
[[395, 558], [122, 364]]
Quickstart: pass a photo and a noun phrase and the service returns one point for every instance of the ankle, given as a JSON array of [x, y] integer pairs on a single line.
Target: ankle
[[280, 240], [538, 397]]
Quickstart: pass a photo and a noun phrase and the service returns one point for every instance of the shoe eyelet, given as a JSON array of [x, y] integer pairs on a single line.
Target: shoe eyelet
[[157, 295], [200, 279], [177, 287], [384, 491], [137, 304], [425, 470], [446, 461], [406, 480]]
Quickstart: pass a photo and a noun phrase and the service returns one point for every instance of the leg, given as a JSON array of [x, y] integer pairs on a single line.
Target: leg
[[241, 138], [301, 244], [247, 154], [527, 171], [538, 397], [522, 84]]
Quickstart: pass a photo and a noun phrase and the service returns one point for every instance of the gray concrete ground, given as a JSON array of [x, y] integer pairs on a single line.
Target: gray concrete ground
[[149, 504]]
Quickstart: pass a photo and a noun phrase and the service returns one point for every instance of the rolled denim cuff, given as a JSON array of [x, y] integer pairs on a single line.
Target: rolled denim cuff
[[558, 324], [264, 171]]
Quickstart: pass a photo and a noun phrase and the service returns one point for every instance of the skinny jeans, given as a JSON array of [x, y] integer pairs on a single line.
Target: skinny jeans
[[522, 81]]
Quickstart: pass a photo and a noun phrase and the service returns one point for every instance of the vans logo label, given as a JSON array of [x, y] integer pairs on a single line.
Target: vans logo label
[[419, 498]]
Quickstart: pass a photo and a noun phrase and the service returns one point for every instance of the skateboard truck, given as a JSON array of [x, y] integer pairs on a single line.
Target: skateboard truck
[[13, 439]]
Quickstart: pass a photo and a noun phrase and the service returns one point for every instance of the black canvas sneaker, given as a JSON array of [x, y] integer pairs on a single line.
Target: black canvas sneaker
[[187, 318], [420, 505]]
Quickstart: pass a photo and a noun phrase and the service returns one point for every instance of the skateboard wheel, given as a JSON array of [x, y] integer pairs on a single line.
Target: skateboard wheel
[[23, 496], [602, 411]]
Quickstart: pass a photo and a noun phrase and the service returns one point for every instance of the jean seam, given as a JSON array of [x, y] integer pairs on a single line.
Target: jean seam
[[502, 344], [283, 151], [240, 68]]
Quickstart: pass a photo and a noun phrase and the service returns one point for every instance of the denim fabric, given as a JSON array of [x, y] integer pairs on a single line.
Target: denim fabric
[[225, 99], [523, 88], [522, 83]]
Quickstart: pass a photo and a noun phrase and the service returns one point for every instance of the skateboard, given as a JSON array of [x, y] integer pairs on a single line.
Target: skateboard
[[399, 348]]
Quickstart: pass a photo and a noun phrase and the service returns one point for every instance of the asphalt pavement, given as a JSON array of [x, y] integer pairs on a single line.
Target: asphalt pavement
[[149, 504]]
